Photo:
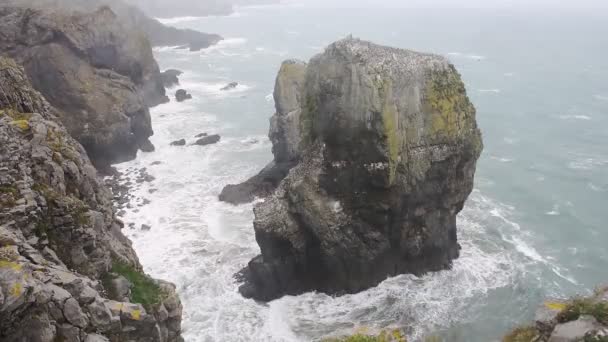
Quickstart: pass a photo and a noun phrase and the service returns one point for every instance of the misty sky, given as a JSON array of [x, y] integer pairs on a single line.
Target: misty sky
[[603, 4]]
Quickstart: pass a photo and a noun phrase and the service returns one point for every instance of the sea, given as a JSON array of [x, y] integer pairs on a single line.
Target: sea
[[534, 228]]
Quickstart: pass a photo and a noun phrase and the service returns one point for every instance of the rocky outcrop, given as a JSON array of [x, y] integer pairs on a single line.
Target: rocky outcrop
[[66, 271], [230, 86], [284, 134], [100, 76], [574, 320], [385, 145], [182, 95]]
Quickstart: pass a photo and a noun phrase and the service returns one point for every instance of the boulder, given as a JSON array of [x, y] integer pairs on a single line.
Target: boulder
[[182, 95], [575, 331], [382, 161], [230, 86], [180, 142], [208, 140], [200, 135]]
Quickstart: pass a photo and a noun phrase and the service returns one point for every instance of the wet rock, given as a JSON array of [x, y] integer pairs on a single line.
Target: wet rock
[[208, 140], [145, 227], [182, 95], [230, 86], [180, 142], [200, 135], [156, 163]]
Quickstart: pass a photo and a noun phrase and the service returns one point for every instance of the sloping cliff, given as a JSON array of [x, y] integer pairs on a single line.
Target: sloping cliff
[[384, 143], [100, 76], [66, 271]]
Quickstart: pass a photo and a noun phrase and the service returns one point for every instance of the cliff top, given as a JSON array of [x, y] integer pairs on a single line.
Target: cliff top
[[382, 57]]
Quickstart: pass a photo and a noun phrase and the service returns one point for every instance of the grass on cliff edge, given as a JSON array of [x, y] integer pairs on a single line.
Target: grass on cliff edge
[[144, 291], [392, 336]]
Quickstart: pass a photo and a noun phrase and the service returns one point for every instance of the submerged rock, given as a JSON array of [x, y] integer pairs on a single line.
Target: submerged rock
[[208, 140], [230, 86], [63, 257], [182, 95], [180, 142], [383, 145]]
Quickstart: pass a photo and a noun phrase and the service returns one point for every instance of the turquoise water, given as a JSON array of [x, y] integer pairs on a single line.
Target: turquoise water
[[534, 227]]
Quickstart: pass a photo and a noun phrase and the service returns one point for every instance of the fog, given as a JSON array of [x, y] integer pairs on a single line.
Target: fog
[[523, 4]]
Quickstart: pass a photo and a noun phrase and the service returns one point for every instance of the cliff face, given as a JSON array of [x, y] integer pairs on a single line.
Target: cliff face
[[66, 271], [101, 77], [385, 148]]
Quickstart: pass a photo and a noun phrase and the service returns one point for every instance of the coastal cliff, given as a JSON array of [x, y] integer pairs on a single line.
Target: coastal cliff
[[382, 145], [67, 273], [100, 76]]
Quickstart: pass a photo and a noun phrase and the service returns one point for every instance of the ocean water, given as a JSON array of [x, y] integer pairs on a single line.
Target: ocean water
[[534, 227]]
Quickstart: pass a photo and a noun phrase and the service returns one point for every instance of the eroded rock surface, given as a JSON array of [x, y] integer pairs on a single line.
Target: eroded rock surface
[[67, 273], [384, 143]]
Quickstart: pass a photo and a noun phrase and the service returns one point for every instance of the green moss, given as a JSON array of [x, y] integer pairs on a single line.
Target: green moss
[[8, 196], [584, 306], [391, 129], [447, 103], [145, 290], [386, 336], [522, 334]]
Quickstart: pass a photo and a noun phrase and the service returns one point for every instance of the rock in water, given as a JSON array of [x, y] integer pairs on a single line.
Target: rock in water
[[61, 245], [230, 86], [182, 95], [170, 77], [385, 144], [208, 140], [100, 76], [180, 142]]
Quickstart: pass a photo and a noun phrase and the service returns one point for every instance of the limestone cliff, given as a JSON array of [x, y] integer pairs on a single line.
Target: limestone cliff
[[66, 271], [100, 76], [384, 143]]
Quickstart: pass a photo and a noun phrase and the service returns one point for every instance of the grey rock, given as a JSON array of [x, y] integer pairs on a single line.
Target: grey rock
[[145, 227], [180, 142], [96, 338], [380, 167], [208, 140], [200, 135], [73, 313], [170, 77], [182, 95], [574, 331], [121, 288]]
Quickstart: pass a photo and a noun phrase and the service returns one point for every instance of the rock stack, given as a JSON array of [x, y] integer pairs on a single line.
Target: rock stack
[[378, 147]]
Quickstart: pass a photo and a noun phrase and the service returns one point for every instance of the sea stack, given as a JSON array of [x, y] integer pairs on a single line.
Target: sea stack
[[381, 146]]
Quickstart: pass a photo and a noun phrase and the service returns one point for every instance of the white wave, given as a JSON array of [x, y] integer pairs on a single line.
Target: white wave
[[200, 90], [292, 33], [495, 91], [554, 211], [510, 141], [502, 159], [575, 117], [177, 20], [588, 163], [454, 54], [596, 188], [270, 97], [508, 74], [476, 57]]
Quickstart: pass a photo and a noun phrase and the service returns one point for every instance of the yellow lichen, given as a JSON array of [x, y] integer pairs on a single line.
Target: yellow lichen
[[16, 290], [10, 264], [23, 125], [556, 306], [136, 315]]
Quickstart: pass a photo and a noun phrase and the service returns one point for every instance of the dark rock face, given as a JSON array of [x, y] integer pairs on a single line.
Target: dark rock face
[[284, 134], [60, 239], [385, 145], [180, 142], [208, 140], [100, 76], [230, 86], [182, 95], [170, 77]]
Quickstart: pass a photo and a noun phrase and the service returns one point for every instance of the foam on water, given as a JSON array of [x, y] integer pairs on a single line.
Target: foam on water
[[575, 117], [495, 91]]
